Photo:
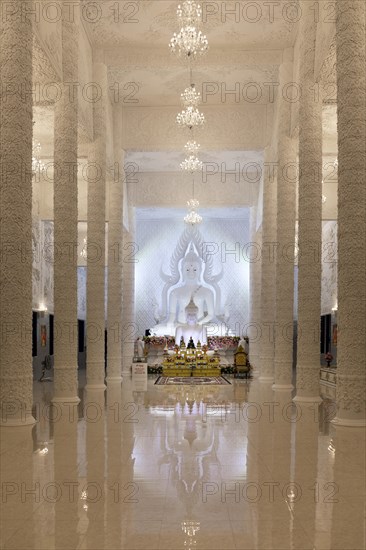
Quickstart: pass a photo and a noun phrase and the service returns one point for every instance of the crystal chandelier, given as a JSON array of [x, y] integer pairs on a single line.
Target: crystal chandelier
[[190, 117], [189, 43], [190, 96], [37, 164], [192, 204], [191, 164], [192, 146], [189, 13], [193, 217], [84, 252]]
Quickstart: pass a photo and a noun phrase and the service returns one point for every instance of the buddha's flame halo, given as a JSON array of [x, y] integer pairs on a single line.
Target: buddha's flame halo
[[191, 236]]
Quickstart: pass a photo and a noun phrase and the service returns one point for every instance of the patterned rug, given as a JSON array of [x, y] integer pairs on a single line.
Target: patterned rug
[[192, 380]]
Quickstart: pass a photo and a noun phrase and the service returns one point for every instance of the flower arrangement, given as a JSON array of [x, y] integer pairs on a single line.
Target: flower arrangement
[[328, 358], [159, 341], [222, 342]]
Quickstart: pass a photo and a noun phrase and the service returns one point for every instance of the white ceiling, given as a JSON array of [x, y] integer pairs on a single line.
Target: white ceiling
[[236, 213], [246, 46], [169, 161]]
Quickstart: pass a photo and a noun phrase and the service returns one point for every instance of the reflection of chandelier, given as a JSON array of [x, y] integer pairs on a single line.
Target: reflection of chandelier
[[189, 43], [190, 117], [190, 96], [191, 164], [190, 528], [37, 164]]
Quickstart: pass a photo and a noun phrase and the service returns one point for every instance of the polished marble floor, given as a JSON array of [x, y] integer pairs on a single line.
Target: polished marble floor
[[174, 467]]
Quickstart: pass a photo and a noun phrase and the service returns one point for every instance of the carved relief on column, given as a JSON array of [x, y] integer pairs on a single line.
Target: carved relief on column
[[115, 255], [16, 217], [351, 93], [129, 329], [255, 292], [95, 282], [66, 217], [286, 216], [310, 212], [268, 271]]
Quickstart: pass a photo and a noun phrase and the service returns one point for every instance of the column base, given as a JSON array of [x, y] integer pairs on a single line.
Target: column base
[[65, 400], [302, 399], [113, 379], [348, 422], [282, 387], [18, 422], [95, 387], [266, 379]]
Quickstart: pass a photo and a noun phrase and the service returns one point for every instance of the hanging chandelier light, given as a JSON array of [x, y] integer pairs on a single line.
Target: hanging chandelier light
[[193, 217], [191, 164], [37, 164], [189, 13], [192, 147], [190, 117], [190, 96], [189, 43]]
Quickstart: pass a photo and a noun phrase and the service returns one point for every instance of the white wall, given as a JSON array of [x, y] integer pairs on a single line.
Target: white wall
[[156, 241]]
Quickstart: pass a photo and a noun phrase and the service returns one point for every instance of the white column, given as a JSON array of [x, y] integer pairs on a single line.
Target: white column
[[129, 329], [115, 255], [16, 218], [255, 292], [310, 212], [268, 271], [286, 216], [66, 218], [351, 89], [95, 281]]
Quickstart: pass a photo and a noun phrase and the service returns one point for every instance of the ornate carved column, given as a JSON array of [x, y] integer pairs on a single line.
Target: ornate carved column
[[268, 271], [115, 255], [351, 89], [16, 216], [95, 281], [66, 216], [255, 292], [129, 329], [286, 216], [310, 217]]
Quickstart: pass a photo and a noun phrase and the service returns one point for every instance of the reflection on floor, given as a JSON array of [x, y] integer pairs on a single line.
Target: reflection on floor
[[176, 467]]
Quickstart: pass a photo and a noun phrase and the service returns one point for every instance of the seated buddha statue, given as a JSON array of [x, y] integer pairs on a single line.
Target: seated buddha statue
[[191, 331], [190, 290]]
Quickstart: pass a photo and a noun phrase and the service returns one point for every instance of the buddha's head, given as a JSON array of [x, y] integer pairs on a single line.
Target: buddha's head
[[191, 266]]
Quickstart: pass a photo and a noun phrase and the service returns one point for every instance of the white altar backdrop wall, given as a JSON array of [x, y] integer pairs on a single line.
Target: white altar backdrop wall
[[157, 239]]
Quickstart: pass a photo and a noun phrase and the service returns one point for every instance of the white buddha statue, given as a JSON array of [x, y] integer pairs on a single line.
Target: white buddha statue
[[192, 288], [191, 328]]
